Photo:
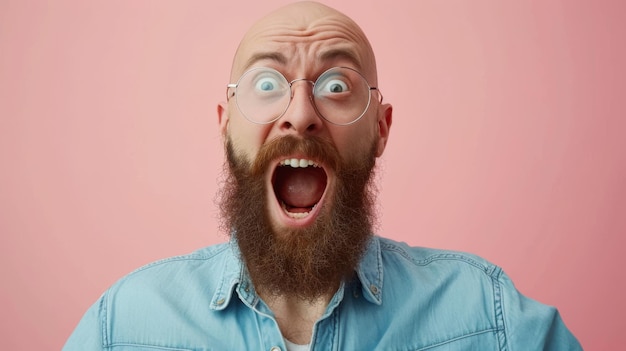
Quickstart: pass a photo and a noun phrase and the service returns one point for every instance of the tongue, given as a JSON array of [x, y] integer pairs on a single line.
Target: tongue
[[300, 187]]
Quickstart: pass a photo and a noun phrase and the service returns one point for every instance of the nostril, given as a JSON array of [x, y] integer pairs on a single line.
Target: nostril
[[310, 128]]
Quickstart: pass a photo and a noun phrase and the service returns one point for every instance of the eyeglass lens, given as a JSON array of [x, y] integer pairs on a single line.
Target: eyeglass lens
[[341, 95]]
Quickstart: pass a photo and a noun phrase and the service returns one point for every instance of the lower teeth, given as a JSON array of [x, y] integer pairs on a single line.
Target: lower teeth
[[296, 215]]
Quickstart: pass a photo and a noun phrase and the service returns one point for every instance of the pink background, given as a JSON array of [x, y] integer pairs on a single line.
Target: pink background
[[507, 142]]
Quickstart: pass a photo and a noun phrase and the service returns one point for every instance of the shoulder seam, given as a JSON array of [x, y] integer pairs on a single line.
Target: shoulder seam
[[194, 256], [489, 269]]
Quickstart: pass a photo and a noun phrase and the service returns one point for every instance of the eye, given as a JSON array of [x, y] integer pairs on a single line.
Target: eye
[[335, 86], [267, 84]]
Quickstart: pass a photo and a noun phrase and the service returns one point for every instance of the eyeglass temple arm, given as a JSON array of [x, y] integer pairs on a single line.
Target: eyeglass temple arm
[[380, 94], [228, 87]]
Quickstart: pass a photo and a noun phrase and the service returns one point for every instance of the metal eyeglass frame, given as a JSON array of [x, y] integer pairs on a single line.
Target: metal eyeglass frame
[[311, 96]]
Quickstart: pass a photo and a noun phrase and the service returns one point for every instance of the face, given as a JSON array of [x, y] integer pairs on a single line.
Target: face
[[298, 190], [302, 41]]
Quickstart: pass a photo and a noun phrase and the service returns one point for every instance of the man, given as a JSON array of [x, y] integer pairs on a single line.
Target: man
[[303, 124]]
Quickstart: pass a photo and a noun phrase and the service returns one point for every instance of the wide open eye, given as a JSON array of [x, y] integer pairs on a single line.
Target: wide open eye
[[263, 86], [263, 82], [267, 84], [334, 85]]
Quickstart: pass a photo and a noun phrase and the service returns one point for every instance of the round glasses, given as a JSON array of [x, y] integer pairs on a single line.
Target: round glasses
[[341, 95]]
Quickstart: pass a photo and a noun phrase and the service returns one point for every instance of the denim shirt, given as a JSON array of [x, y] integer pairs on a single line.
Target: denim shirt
[[403, 298]]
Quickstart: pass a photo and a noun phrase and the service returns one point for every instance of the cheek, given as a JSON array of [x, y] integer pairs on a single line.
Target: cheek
[[246, 137], [353, 141]]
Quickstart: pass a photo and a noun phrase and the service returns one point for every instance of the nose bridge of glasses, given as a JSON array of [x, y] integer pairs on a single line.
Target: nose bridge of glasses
[[291, 85]]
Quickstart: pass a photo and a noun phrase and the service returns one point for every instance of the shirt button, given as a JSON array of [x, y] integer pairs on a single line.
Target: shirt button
[[220, 302], [374, 289], [275, 348]]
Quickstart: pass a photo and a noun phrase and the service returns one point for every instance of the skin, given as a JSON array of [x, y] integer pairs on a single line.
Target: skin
[[302, 40]]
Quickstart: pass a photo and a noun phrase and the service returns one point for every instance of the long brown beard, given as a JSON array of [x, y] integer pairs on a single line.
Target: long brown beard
[[306, 262]]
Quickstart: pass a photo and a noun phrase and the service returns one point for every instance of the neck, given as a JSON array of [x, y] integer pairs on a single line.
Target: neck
[[296, 316]]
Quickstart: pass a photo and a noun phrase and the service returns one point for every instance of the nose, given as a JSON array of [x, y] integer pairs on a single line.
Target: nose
[[301, 116]]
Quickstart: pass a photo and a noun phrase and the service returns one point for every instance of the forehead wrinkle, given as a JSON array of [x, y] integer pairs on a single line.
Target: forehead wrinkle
[[261, 56], [343, 53], [325, 46], [344, 38]]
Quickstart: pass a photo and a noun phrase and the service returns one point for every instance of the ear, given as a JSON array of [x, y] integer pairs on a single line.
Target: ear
[[384, 124], [222, 117]]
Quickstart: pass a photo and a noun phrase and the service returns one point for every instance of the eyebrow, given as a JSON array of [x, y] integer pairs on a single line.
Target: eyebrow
[[341, 54], [329, 55], [274, 56]]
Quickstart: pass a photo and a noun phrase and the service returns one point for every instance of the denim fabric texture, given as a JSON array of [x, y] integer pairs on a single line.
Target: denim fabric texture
[[402, 299]]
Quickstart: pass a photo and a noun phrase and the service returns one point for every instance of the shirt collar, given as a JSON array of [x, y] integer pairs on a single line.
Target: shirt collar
[[370, 272], [234, 277]]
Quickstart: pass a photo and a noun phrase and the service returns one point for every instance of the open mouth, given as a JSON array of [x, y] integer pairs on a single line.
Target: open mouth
[[299, 186]]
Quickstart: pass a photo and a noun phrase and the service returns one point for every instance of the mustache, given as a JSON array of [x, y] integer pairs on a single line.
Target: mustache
[[315, 148]]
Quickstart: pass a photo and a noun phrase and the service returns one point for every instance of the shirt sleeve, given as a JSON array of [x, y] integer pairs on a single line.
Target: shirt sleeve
[[88, 334], [530, 325]]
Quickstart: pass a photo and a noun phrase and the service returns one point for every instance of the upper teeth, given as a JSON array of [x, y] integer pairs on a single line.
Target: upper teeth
[[295, 163]]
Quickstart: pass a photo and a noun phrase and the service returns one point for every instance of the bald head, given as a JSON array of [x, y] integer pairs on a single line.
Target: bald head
[[304, 37]]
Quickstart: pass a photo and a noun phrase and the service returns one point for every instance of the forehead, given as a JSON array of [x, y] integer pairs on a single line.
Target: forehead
[[305, 41]]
